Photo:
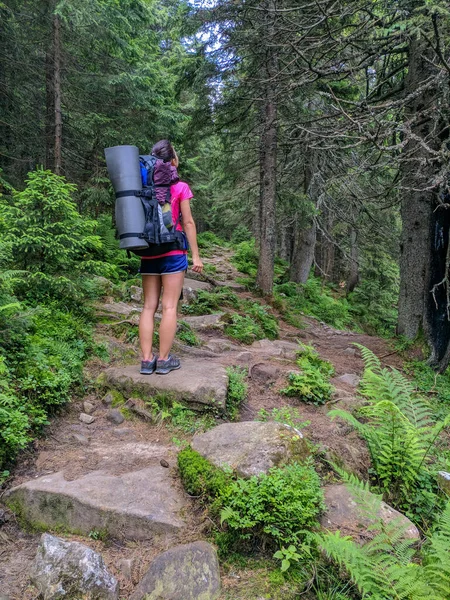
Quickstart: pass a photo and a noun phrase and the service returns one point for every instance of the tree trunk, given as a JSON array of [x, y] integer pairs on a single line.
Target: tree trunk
[[305, 238], [303, 255], [353, 275], [268, 172], [416, 206], [57, 92]]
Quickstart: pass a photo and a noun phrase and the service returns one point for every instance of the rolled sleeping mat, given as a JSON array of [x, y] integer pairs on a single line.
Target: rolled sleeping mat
[[125, 174]]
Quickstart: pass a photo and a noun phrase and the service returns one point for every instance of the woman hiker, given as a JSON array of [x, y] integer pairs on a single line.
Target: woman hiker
[[166, 271]]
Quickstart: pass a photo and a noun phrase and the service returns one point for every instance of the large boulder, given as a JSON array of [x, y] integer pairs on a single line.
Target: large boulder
[[198, 382], [250, 447], [353, 516], [187, 572], [71, 570], [133, 505]]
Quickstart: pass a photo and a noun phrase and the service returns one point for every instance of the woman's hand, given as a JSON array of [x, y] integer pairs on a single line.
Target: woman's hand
[[198, 265]]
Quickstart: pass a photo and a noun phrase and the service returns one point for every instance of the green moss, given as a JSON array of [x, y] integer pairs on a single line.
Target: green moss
[[118, 398], [200, 477]]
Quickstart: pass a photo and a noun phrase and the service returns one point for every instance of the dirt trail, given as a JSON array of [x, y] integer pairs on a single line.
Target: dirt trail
[[77, 449]]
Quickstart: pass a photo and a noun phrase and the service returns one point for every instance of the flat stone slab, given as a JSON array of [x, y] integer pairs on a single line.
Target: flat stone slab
[[250, 447], [123, 309], [280, 348], [135, 505], [346, 513], [202, 322], [198, 382]]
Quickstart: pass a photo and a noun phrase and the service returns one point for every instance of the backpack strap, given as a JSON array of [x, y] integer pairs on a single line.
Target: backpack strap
[[145, 193]]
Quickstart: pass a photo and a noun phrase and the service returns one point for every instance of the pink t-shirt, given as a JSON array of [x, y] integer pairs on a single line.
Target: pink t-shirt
[[179, 192]]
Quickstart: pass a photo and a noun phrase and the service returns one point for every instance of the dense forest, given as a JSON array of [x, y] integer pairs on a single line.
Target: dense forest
[[315, 137]]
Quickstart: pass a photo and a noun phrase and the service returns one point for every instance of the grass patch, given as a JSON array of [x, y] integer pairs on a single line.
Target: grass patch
[[257, 324], [312, 383], [187, 335], [208, 302], [237, 390], [178, 417]]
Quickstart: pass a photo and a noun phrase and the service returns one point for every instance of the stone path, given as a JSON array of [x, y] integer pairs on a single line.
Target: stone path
[[101, 477], [200, 383]]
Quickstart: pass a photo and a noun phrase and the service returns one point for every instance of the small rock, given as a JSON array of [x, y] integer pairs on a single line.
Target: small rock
[[80, 439], [88, 407], [4, 518], [71, 570], [444, 481], [244, 357], [350, 379], [136, 293], [115, 416], [345, 513], [187, 572], [123, 432], [88, 419], [350, 351], [219, 345], [164, 463], [127, 567], [264, 373], [108, 399]]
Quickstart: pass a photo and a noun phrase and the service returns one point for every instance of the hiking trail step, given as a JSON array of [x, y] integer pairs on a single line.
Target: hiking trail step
[[135, 505], [198, 382]]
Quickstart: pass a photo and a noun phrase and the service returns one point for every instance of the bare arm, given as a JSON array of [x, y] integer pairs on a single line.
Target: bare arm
[[191, 233]]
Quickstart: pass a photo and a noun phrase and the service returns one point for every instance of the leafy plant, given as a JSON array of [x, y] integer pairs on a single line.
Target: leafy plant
[[401, 435], [275, 508], [243, 329], [237, 390], [208, 302], [388, 567], [186, 334], [311, 384], [288, 415], [287, 556]]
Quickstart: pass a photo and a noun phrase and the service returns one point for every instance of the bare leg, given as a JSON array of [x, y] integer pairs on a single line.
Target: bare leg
[[172, 286], [152, 290]]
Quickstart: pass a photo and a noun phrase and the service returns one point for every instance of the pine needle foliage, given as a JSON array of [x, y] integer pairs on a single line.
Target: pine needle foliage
[[400, 431], [389, 568]]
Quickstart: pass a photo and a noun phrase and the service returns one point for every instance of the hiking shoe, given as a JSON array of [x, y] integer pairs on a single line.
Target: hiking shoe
[[165, 366], [148, 366]]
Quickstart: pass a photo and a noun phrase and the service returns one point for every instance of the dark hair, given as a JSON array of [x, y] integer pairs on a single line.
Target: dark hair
[[163, 150]]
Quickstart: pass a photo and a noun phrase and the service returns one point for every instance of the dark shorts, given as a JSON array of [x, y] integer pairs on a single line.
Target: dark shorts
[[176, 263]]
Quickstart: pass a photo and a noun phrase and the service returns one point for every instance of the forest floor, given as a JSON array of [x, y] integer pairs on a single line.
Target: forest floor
[[76, 449]]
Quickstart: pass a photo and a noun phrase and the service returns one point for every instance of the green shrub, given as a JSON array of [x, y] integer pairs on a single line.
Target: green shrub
[[244, 329], [237, 390], [245, 258], [318, 300], [206, 239], [312, 383], [200, 478], [274, 509], [268, 323]]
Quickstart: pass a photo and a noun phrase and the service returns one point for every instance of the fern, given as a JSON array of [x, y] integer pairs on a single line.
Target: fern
[[388, 567], [399, 429]]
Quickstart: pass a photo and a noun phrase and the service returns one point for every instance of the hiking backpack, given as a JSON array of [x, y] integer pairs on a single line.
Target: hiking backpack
[[160, 232]]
